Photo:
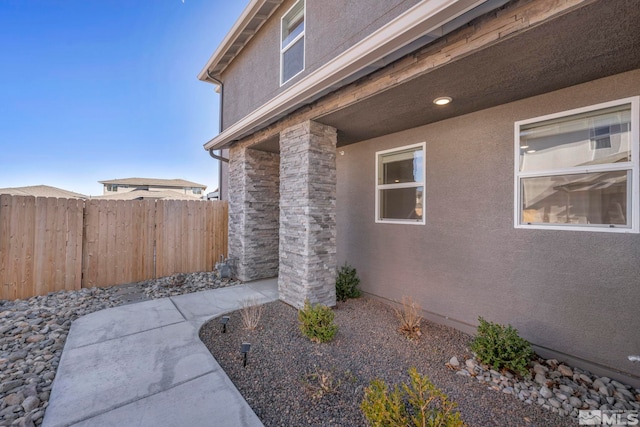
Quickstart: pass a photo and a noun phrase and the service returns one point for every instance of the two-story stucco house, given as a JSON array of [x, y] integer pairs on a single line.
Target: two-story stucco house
[[480, 156], [153, 185]]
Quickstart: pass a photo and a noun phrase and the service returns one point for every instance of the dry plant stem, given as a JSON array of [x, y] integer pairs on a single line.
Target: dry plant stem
[[322, 383], [251, 312], [325, 380], [410, 318]]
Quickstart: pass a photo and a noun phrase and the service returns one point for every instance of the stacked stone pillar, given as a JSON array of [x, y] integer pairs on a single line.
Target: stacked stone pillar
[[253, 212], [307, 214]]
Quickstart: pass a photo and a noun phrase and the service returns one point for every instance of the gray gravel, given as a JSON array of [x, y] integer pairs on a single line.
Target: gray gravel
[[33, 333], [281, 380], [555, 386]]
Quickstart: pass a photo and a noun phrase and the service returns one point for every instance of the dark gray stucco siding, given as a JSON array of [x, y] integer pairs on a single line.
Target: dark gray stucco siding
[[575, 293], [332, 26]]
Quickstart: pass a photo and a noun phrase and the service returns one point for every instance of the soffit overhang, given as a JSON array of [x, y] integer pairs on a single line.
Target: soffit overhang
[[252, 18], [567, 50], [419, 25]]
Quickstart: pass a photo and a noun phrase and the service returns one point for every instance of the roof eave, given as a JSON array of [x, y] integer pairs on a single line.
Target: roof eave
[[252, 18], [158, 182], [418, 21]]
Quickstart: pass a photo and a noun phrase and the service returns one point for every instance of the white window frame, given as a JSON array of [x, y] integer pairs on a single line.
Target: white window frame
[[632, 166], [292, 42], [423, 184]]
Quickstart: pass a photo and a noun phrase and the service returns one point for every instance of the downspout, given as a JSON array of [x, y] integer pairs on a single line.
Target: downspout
[[215, 156], [219, 83]]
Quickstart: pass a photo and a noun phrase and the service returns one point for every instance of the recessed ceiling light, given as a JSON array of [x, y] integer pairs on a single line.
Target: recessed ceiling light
[[531, 151], [443, 100], [524, 146]]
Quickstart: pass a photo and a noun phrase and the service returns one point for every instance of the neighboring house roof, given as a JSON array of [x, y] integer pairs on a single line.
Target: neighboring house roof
[[154, 182], [147, 195], [42, 191], [418, 26]]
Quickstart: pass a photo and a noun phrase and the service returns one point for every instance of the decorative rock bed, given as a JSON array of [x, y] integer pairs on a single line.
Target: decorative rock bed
[[33, 333], [292, 381], [556, 387]]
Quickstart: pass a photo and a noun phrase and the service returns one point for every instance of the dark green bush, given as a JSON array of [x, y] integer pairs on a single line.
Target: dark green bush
[[347, 283], [316, 322], [501, 347], [420, 403]]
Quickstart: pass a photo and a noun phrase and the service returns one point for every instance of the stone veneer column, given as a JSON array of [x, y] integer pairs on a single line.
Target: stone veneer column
[[254, 193], [308, 214]]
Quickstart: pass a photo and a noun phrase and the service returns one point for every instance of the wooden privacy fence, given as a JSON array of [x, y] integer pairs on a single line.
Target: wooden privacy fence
[[40, 245], [48, 244]]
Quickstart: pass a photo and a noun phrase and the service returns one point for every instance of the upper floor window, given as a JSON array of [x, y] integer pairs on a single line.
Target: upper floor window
[[400, 185], [292, 42], [578, 170]]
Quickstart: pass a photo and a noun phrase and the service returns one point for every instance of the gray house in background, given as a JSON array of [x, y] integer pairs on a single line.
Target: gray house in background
[[479, 156], [192, 190]]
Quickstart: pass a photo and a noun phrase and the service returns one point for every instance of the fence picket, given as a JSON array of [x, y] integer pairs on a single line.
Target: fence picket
[[49, 244]]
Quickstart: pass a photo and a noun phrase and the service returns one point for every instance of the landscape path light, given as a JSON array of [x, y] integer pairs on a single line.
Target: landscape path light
[[244, 349], [224, 320]]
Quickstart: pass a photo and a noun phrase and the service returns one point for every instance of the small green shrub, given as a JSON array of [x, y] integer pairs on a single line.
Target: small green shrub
[[316, 322], [501, 347], [420, 403], [347, 283], [382, 408]]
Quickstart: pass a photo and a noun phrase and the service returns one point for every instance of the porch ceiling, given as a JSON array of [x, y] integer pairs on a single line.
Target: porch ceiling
[[595, 41]]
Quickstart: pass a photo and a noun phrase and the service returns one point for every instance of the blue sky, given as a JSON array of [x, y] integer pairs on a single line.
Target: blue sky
[[95, 90]]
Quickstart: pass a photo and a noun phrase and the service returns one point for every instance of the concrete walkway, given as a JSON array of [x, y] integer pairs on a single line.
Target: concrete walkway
[[144, 365]]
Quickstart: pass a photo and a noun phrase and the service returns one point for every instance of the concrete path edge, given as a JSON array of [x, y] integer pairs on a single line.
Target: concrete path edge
[[143, 364]]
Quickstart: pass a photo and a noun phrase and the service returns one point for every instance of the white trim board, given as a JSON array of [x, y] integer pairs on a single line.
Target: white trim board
[[416, 22]]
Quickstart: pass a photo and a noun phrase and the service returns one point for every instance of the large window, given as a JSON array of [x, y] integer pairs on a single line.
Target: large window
[[292, 42], [578, 170], [400, 185]]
